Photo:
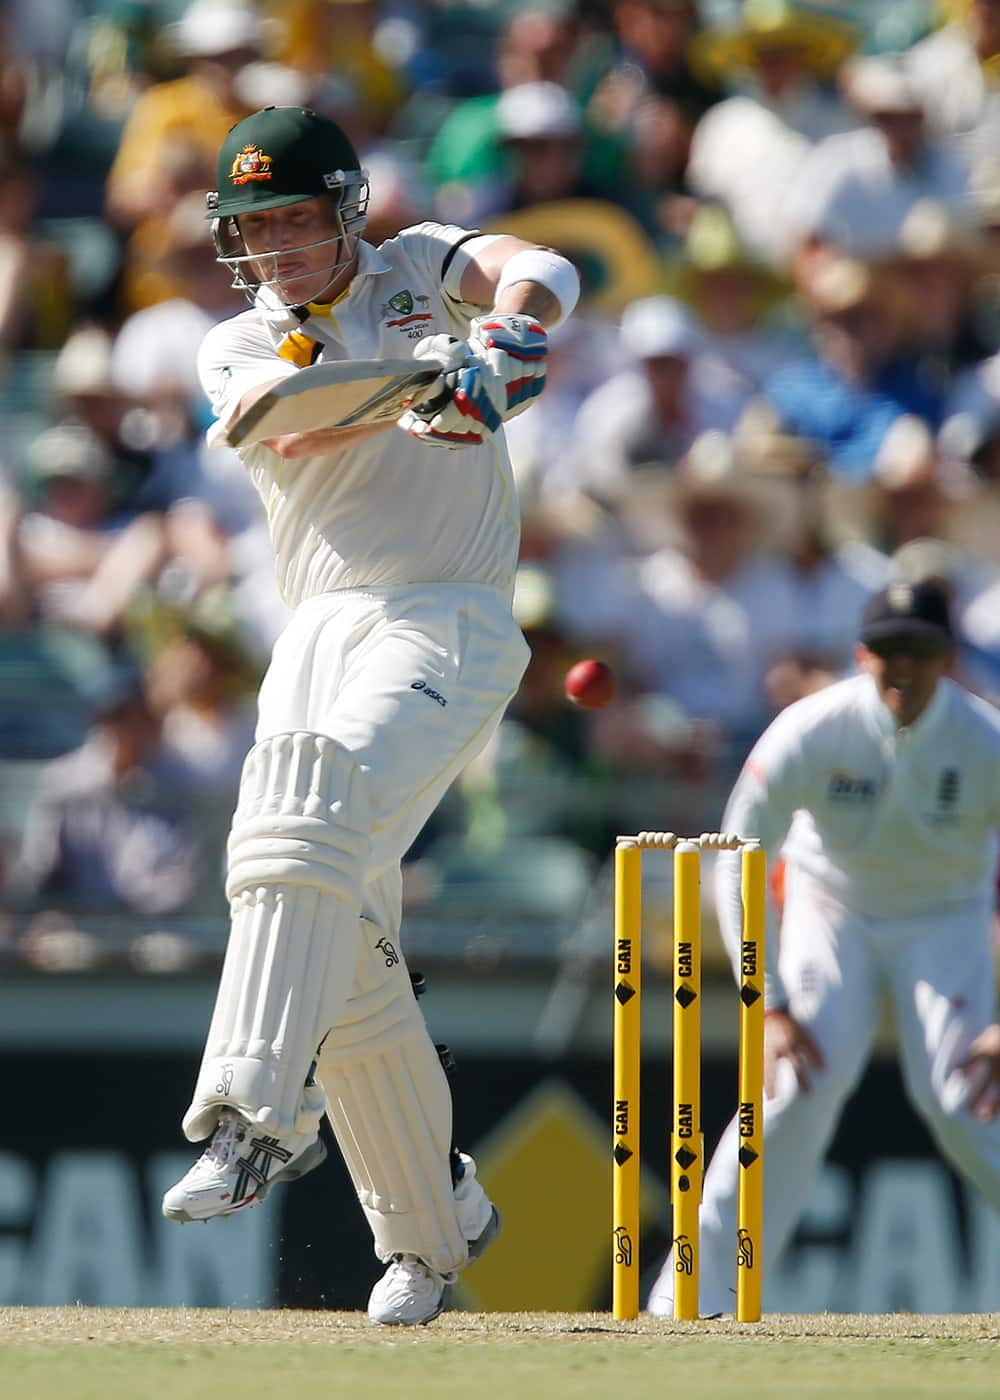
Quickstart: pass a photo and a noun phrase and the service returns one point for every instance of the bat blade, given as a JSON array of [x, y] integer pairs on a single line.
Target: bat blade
[[335, 394]]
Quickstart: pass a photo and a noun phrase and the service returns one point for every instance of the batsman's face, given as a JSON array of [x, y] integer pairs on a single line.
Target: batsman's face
[[906, 672], [299, 250]]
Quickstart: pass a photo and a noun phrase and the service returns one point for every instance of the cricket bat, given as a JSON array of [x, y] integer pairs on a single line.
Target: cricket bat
[[333, 394]]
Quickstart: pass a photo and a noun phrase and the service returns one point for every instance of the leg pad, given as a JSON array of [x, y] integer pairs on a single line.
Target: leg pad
[[297, 856], [390, 1107]]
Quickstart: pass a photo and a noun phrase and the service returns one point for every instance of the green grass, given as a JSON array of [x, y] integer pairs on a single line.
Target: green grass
[[183, 1354]]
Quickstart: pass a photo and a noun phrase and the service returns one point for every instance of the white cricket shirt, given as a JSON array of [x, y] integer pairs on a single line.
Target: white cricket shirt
[[388, 511], [891, 822]]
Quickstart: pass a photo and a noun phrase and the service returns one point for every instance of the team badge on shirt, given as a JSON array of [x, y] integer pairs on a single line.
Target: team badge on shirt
[[948, 798], [948, 787], [404, 305], [250, 164]]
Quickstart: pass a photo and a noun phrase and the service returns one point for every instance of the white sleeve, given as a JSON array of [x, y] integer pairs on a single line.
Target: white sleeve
[[441, 253], [762, 804], [235, 357]]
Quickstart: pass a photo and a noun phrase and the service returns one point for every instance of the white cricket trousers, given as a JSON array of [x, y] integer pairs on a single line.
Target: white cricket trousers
[[413, 681], [836, 965]]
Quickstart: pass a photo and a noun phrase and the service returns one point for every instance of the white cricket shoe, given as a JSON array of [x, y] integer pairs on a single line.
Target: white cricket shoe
[[238, 1169], [410, 1292]]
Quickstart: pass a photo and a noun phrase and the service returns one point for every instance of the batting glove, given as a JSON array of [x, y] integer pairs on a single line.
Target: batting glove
[[487, 379], [516, 349], [437, 419]]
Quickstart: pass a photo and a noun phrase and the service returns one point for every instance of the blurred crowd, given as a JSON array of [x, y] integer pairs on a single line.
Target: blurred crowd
[[781, 388]]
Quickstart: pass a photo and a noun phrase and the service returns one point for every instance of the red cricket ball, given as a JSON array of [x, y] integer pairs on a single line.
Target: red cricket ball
[[590, 684]]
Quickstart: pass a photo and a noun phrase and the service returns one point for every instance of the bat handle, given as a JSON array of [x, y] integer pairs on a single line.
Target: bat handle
[[446, 386]]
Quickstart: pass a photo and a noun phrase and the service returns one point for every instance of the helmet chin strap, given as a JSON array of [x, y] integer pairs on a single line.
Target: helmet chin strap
[[277, 311]]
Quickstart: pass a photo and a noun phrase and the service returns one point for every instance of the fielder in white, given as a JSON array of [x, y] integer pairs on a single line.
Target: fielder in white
[[402, 653], [883, 794]]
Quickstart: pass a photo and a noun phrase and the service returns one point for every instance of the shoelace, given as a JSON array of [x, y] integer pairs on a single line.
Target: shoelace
[[409, 1267], [228, 1136]]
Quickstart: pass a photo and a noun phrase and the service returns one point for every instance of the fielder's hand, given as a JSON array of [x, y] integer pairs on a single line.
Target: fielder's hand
[[982, 1069], [485, 380], [786, 1039]]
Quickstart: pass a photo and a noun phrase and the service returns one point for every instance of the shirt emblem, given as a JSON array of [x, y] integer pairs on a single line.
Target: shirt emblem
[[946, 808], [949, 785], [404, 304]]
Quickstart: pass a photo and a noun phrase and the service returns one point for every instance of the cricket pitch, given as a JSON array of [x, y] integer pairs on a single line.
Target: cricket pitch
[[79, 1353]]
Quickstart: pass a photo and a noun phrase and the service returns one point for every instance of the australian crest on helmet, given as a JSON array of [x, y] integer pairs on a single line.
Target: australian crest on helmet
[[250, 163]]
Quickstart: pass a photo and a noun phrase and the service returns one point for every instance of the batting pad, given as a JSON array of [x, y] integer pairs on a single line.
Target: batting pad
[[390, 1107], [297, 852]]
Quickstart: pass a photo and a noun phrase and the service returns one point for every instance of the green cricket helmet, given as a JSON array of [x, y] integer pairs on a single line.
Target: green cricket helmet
[[277, 157]]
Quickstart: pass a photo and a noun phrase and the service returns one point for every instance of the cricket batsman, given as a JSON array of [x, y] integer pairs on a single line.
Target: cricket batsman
[[396, 546]]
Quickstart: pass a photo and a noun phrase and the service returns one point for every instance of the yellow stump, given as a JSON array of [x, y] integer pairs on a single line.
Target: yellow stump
[[686, 1148], [627, 991], [750, 1200]]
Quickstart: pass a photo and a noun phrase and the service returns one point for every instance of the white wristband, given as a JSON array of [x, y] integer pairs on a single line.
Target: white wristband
[[550, 270]]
